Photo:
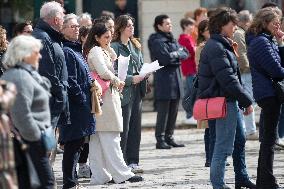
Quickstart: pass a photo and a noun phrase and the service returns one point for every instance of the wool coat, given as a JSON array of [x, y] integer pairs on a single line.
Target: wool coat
[[100, 61], [167, 80]]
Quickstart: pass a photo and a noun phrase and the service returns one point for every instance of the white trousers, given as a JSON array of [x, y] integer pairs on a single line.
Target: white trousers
[[106, 159]]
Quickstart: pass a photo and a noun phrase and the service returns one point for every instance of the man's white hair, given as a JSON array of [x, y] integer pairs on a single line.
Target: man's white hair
[[68, 17], [50, 10], [20, 47], [244, 16], [84, 16]]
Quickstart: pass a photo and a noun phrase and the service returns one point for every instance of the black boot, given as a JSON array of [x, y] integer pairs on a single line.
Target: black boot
[[161, 144], [247, 184], [171, 142]]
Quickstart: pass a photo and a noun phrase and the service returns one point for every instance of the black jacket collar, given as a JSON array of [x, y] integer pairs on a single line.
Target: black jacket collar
[[220, 38], [41, 24], [76, 46]]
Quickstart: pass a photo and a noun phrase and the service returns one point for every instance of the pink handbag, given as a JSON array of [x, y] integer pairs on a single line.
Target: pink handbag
[[103, 83], [210, 108]]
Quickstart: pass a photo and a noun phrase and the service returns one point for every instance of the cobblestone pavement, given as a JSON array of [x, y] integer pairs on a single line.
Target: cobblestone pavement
[[181, 167]]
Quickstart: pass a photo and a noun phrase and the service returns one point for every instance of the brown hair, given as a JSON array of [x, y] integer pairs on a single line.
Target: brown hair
[[185, 22], [203, 25], [120, 24], [262, 18], [3, 45], [199, 11], [221, 17]]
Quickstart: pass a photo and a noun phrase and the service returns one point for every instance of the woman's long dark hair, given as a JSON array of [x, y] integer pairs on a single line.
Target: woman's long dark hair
[[97, 30], [120, 24]]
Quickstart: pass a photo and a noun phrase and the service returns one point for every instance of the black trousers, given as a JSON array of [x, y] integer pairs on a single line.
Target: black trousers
[[84, 154], [270, 115], [72, 150], [131, 135], [167, 111]]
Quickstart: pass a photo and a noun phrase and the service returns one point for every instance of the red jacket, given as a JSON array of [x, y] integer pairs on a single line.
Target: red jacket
[[188, 66]]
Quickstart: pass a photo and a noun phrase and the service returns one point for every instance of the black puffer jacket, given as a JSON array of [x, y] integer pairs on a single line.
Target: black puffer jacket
[[219, 72]]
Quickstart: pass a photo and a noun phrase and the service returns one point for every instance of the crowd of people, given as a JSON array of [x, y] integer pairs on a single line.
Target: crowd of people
[[63, 74]]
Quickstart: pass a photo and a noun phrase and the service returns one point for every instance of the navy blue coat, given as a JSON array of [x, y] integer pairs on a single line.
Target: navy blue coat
[[167, 80], [82, 120], [265, 63], [219, 74], [52, 65]]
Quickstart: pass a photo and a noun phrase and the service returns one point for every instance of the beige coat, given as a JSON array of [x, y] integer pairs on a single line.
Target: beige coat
[[99, 60]]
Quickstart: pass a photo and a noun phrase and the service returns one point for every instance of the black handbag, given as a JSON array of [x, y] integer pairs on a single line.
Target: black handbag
[[190, 97]]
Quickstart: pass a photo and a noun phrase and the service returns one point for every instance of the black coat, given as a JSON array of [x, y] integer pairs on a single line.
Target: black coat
[[167, 80], [219, 74], [52, 65]]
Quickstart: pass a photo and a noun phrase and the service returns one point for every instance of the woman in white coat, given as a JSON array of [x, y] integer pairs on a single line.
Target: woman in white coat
[[105, 155]]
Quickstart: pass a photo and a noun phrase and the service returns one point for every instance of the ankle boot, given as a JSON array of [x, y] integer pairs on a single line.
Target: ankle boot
[[171, 142], [161, 144]]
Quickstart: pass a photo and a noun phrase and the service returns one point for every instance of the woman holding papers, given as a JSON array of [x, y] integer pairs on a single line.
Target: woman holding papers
[[134, 90], [106, 158]]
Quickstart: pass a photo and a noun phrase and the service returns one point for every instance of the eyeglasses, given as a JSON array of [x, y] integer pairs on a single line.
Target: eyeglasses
[[74, 26]]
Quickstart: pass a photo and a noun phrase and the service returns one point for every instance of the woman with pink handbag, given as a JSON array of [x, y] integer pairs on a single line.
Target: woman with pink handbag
[[219, 77], [105, 155]]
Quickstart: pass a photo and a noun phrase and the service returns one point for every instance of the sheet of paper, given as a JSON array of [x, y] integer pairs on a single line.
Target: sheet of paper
[[148, 68], [123, 67]]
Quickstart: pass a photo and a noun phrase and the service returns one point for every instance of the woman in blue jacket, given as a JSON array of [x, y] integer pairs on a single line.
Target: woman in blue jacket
[[219, 77], [265, 63], [82, 121]]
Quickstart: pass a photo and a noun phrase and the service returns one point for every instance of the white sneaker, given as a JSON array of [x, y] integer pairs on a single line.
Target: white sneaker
[[135, 168], [84, 171]]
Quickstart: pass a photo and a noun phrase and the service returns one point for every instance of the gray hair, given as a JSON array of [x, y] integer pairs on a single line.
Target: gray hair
[[69, 17], [244, 16], [20, 47], [50, 10], [84, 16]]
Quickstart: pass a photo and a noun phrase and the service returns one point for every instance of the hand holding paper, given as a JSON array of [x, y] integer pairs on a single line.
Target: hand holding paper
[[148, 68]]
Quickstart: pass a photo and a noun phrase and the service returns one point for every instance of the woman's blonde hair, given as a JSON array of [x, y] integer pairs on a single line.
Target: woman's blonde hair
[[3, 44], [20, 47], [262, 18]]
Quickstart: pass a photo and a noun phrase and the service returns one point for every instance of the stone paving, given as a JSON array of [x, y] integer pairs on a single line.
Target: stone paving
[[181, 167]]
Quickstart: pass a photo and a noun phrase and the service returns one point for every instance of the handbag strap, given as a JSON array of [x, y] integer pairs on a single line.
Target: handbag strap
[[206, 111]]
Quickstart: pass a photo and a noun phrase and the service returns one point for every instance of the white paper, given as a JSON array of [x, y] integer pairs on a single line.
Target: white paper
[[123, 67], [148, 68]]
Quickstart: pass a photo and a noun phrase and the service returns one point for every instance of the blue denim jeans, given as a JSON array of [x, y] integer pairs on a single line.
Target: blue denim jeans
[[230, 139], [188, 86]]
